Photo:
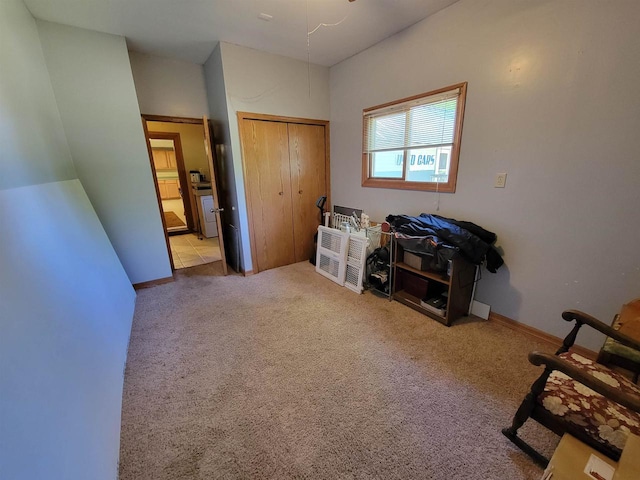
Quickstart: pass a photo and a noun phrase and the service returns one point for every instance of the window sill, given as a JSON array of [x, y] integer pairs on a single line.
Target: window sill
[[403, 185]]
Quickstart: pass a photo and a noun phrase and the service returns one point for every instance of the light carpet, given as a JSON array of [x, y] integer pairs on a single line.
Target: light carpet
[[286, 375]]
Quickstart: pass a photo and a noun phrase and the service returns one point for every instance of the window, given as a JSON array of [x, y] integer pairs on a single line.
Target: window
[[414, 143]]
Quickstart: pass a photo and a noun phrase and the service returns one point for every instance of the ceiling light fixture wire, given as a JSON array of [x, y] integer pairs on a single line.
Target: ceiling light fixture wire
[[309, 33], [325, 25]]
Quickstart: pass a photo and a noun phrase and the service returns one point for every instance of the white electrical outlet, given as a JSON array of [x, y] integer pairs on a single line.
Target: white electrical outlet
[[501, 180]]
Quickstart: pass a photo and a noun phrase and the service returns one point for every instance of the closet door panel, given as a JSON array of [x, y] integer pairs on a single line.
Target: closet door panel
[[267, 178], [307, 160]]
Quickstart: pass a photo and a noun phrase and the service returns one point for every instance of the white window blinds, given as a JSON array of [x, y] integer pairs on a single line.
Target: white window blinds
[[418, 123]]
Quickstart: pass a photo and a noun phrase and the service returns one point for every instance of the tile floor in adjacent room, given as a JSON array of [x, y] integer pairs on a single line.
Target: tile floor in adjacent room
[[188, 251]]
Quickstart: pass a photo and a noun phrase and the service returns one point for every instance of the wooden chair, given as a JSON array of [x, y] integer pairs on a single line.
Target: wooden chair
[[581, 397]]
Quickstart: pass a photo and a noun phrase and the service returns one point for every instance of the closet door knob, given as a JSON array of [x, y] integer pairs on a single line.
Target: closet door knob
[[300, 192], [280, 193]]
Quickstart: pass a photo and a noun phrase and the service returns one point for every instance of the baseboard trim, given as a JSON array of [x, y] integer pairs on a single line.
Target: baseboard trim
[[152, 283], [248, 273], [539, 334]]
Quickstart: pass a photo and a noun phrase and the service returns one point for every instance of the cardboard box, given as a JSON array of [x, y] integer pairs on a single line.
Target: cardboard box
[[416, 261], [630, 319], [572, 456]]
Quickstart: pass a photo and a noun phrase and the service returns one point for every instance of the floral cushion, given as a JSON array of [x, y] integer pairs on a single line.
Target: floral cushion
[[606, 421]]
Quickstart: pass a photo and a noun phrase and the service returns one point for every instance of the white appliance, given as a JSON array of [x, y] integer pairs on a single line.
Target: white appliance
[[208, 224]]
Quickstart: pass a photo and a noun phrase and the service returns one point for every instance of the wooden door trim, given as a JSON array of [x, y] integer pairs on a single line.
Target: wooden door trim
[[182, 171], [167, 119], [158, 198], [281, 119], [184, 120]]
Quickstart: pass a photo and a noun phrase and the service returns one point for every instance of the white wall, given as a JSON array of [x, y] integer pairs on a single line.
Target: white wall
[[550, 101], [34, 148], [169, 87], [66, 303], [260, 82], [93, 85], [67, 307]]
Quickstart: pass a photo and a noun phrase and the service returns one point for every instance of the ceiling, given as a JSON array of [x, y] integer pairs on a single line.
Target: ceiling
[[189, 29]]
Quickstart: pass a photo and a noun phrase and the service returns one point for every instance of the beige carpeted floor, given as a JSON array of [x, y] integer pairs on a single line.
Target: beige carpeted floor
[[286, 375]]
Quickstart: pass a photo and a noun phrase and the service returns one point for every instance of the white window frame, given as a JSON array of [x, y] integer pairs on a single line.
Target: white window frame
[[368, 180]]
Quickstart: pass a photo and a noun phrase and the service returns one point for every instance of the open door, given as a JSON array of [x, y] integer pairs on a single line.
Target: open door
[[155, 183], [214, 189]]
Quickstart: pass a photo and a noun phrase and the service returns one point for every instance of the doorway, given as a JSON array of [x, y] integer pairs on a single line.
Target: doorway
[[168, 163], [184, 173]]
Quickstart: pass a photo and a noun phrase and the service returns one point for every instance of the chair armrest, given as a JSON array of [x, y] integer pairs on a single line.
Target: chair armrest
[[552, 362], [581, 317]]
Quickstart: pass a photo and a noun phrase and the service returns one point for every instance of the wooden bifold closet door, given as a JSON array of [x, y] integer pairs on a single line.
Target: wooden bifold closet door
[[285, 173]]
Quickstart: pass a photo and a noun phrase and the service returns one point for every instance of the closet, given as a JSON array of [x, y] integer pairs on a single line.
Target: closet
[[285, 165]]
